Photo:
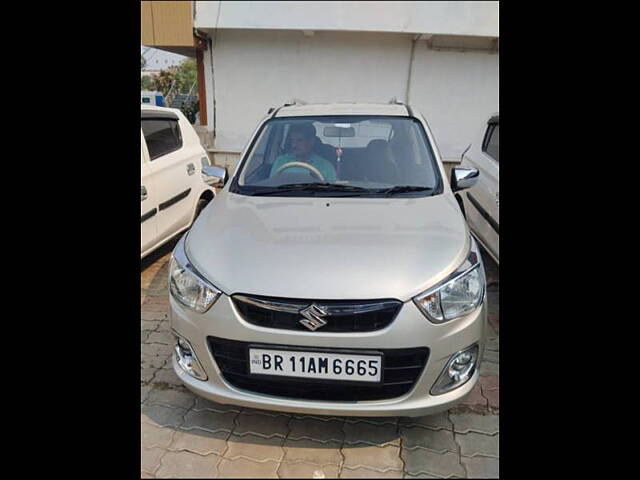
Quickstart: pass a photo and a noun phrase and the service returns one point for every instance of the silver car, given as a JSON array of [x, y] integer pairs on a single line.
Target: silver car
[[334, 272]]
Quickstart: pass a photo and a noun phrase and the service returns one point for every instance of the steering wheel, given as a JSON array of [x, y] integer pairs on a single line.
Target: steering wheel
[[311, 168]]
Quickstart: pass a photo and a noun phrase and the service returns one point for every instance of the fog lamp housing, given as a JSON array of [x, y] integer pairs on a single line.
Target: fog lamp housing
[[186, 358], [458, 370]]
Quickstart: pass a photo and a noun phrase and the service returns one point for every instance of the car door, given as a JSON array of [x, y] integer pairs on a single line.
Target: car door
[[482, 205], [173, 167], [148, 205]]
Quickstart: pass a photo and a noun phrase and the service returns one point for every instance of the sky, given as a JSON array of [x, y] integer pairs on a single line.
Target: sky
[[158, 59]]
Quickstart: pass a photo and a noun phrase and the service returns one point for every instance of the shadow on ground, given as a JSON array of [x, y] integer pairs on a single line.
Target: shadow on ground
[[157, 254]]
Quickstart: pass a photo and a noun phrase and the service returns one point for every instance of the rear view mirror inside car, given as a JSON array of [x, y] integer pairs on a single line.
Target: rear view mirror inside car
[[341, 132]]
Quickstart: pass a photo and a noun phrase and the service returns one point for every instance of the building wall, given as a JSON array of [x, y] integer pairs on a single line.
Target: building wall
[[456, 92], [254, 70], [476, 18], [260, 69]]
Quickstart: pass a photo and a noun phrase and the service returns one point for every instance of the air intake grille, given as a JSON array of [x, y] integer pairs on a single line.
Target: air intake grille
[[342, 316], [401, 369]]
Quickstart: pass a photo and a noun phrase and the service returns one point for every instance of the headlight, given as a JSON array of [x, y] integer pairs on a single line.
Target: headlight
[[459, 294], [186, 285]]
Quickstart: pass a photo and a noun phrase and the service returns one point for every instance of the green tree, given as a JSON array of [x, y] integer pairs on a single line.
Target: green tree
[[146, 83], [184, 75], [163, 81], [187, 74]]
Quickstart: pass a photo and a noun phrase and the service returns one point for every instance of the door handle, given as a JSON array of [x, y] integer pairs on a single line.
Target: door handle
[[191, 169], [143, 194], [497, 198]]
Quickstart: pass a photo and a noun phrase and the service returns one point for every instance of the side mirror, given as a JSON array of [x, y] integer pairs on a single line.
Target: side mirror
[[214, 176], [463, 178]]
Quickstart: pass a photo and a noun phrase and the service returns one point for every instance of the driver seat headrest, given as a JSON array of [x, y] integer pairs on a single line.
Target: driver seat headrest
[[380, 165]]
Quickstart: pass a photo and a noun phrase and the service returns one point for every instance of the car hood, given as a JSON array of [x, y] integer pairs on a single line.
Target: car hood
[[328, 248]]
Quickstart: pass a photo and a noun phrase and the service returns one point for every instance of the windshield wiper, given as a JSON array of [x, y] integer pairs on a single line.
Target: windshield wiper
[[312, 187], [404, 189]]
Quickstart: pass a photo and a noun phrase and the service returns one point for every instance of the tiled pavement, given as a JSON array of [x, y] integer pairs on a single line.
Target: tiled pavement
[[186, 436]]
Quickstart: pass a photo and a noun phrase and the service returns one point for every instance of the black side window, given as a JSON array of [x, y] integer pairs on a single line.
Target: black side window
[[492, 142], [162, 136]]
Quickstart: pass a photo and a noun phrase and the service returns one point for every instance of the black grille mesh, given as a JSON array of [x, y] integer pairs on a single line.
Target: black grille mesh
[[375, 315], [401, 369]]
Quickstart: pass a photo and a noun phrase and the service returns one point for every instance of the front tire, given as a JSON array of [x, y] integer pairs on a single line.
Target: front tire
[[202, 203]]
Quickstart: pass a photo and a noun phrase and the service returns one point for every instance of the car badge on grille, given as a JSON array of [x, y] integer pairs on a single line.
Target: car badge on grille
[[313, 317]]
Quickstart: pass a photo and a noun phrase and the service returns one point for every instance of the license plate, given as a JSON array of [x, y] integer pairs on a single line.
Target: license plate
[[320, 365]]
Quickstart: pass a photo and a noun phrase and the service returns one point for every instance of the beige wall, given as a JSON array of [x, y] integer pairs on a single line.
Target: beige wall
[[165, 23]]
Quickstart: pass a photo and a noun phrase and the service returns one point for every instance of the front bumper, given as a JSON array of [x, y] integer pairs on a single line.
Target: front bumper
[[409, 329]]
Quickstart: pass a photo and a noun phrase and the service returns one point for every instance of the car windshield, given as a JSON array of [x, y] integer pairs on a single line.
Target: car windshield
[[339, 156]]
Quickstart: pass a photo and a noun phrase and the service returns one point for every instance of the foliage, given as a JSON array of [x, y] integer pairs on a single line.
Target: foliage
[[163, 81], [191, 109], [146, 83], [184, 75]]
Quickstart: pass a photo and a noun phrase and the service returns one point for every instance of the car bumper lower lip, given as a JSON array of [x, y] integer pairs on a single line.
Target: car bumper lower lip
[[409, 329], [226, 394]]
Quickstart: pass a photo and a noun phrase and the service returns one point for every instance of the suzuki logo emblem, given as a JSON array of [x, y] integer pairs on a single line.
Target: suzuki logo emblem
[[313, 317]]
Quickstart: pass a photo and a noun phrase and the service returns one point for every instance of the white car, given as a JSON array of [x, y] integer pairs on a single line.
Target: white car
[[173, 189], [481, 204]]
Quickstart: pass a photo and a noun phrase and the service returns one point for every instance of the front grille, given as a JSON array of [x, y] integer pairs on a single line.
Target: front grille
[[342, 315], [401, 369]]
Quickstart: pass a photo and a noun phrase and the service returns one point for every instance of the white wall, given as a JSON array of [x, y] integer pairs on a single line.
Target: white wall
[[255, 70], [456, 92], [478, 18]]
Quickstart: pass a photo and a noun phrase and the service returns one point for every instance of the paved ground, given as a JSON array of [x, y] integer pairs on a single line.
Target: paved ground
[[187, 436]]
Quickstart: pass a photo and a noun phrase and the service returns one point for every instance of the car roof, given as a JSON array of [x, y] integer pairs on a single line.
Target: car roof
[[320, 109], [154, 108]]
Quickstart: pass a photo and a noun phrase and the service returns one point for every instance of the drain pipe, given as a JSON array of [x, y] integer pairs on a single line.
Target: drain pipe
[[207, 45], [213, 43], [200, 35], [416, 39], [413, 50], [213, 87]]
